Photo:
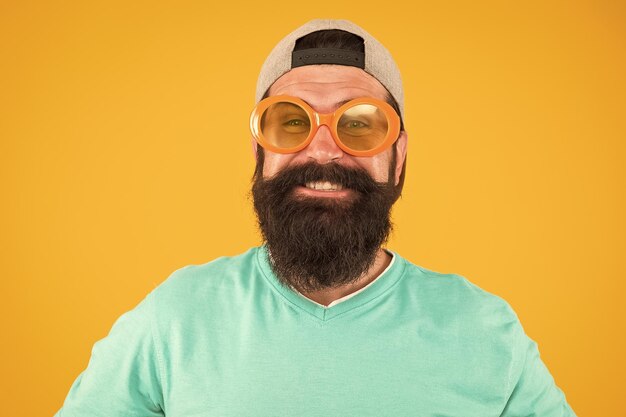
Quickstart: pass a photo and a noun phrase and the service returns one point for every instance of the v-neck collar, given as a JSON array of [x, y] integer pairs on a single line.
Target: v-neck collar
[[380, 285]]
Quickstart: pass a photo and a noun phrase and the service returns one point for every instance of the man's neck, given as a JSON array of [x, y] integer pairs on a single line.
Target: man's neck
[[327, 296]]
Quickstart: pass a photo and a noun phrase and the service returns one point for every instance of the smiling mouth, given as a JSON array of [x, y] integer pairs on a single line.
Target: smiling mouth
[[323, 186]]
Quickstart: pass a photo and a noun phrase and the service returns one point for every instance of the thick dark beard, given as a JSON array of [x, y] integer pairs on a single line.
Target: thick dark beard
[[321, 243]]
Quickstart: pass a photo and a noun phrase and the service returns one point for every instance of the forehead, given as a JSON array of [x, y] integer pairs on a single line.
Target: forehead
[[323, 86]]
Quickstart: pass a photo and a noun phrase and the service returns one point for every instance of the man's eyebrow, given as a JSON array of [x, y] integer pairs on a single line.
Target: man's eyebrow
[[338, 104], [341, 103]]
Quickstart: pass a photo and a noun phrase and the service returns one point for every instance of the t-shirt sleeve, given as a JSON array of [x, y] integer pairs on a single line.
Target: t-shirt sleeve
[[123, 374], [535, 393]]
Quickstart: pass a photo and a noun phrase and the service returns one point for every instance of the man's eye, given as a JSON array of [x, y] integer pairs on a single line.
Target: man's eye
[[355, 124], [295, 122]]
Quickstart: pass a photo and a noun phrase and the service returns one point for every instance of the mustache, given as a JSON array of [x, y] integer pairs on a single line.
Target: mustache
[[357, 179]]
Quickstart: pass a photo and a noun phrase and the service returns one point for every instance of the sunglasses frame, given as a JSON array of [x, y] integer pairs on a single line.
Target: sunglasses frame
[[328, 119]]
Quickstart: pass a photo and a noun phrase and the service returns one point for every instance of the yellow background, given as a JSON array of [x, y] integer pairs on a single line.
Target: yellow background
[[125, 155]]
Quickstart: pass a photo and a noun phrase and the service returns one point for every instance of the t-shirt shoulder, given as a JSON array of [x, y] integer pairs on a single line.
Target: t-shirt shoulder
[[202, 283], [224, 270], [451, 295]]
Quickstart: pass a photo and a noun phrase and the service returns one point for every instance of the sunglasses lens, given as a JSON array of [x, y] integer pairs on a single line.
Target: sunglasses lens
[[285, 125], [362, 127]]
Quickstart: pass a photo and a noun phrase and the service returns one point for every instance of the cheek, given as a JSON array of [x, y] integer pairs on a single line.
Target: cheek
[[377, 166], [274, 162]]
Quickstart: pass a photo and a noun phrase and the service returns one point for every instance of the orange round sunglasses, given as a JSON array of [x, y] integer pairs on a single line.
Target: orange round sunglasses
[[361, 127]]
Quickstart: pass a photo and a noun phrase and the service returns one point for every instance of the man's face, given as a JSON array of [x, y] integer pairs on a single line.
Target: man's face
[[323, 213], [325, 88]]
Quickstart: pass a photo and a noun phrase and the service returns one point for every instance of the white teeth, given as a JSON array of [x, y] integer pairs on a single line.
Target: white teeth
[[324, 186]]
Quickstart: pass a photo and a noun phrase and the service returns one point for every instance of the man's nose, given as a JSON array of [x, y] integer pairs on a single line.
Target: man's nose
[[323, 147]]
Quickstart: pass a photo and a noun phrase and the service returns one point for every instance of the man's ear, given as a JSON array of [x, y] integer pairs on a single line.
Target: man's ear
[[400, 145]]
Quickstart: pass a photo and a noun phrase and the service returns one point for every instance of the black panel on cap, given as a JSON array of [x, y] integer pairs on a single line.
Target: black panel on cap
[[317, 56]]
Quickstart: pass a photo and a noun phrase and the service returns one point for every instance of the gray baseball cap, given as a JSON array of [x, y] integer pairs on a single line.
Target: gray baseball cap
[[376, 61]]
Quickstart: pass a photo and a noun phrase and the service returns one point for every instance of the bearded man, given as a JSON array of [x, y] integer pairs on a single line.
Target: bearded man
[[321, 319]]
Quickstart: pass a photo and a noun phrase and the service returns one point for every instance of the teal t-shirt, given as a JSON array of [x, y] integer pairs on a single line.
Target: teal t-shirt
[[226, 339]]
